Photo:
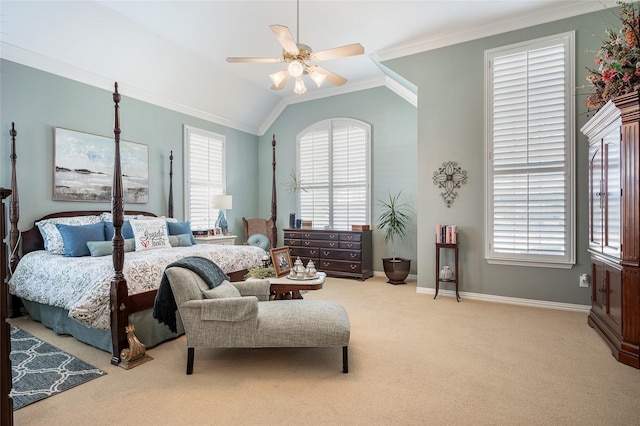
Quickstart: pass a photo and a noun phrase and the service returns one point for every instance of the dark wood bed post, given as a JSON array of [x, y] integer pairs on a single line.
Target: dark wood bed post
[[14, 216], [121, 331], [6, 382], [274, 204], [119, 292], [14, 205], [170, 209]]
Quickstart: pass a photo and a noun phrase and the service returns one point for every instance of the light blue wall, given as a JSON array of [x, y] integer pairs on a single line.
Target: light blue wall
[[393, 156], [408, 146], [451, 127], [37, 102]]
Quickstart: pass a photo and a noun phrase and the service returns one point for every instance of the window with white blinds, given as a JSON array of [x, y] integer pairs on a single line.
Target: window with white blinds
[[204, 175], [333, 165], [530, 146]]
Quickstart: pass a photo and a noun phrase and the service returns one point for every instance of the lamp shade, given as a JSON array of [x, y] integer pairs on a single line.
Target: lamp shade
[[221, 202]]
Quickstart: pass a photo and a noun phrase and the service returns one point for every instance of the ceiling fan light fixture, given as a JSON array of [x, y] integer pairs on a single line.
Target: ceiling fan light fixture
[[317, 77], [296, 69], [277, 77], [299, 88]]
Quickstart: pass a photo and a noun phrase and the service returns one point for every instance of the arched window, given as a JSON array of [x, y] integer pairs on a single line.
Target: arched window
[[333, 164]]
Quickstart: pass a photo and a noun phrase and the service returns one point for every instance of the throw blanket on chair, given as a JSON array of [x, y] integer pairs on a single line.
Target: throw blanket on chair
[[164, 306]]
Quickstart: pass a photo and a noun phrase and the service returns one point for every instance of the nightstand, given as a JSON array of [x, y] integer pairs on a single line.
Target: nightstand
[[217, 239]]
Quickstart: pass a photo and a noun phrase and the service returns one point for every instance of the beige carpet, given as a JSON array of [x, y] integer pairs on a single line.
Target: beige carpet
[[413, 361]]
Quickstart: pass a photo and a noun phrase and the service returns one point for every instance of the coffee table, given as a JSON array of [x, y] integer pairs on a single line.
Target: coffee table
[[285, 288]]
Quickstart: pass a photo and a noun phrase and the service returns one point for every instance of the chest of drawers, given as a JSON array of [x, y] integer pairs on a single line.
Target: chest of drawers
[[337, 253]]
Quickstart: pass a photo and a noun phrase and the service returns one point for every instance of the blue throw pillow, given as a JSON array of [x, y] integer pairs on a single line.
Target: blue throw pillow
[[127, 231], [179, 228], [259, 240], [104, 248], [74, 238]]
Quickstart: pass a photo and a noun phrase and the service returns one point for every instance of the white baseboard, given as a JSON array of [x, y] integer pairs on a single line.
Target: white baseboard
[[508, 300], [498, 299]]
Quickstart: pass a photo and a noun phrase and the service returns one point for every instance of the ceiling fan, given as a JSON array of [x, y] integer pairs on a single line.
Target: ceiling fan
[[302, 60]]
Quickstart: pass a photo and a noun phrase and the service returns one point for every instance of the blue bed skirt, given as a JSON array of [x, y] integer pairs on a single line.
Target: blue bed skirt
[[148, 330]]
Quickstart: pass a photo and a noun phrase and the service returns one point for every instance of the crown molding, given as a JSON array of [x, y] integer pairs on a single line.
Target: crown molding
[[44, 63], [35, 60], [562, 11]]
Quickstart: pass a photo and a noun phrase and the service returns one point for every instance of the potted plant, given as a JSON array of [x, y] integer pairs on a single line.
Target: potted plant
[[393, 222], [294, 186]]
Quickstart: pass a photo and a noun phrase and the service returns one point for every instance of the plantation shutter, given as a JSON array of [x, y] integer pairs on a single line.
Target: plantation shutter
[[205, 175], [333, 166], [314, 168], [350, 175], [530, 153]]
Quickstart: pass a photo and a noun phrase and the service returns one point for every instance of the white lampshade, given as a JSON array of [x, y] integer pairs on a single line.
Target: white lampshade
[[317, 77], [221, 202], [299, 88], [295, 69], [277, 78]]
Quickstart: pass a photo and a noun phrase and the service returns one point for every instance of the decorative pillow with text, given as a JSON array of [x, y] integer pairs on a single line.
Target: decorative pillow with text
[[150, 234]]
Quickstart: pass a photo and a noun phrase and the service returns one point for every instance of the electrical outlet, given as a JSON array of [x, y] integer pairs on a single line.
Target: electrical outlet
[[584, 280]]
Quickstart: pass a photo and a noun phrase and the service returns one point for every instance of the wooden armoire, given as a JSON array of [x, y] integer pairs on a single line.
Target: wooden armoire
[[614, 225]]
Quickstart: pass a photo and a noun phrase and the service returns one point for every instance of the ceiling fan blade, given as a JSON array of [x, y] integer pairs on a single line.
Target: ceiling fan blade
[[332, 77], [285, 38], [283, 82], [249, 59], [339, 52]]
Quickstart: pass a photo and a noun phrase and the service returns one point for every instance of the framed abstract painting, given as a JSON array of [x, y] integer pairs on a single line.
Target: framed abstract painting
[[83, 168]]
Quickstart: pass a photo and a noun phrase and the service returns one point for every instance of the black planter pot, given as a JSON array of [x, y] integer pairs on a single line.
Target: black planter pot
[[396, 269]]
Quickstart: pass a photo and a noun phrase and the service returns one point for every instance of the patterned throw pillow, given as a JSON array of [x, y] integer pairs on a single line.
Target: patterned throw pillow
[[150, 234], [52, 239]]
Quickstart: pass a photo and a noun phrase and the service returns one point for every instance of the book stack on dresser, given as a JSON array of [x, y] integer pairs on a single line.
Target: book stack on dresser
[[337, 253]]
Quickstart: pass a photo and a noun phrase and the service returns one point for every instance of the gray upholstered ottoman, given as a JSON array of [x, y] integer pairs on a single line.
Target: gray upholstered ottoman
[[304, 323]]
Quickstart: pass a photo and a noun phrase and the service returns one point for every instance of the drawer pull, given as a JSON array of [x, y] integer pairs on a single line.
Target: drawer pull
[[307, 243], [354, 267], [332, 244], [332, 236], [349, 245], [325, 264], [353, 255], [349, 237], [326, 253], [307, 235], [312, 252]]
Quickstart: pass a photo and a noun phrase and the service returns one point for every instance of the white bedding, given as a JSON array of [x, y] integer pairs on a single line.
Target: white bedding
[[81, 284]]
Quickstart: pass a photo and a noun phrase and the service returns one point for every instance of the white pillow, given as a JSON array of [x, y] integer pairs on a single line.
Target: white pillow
[[108, 217], [50, 234], [150, 234]]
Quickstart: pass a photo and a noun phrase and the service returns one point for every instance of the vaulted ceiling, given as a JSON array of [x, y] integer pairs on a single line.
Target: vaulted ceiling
[[172, 53]]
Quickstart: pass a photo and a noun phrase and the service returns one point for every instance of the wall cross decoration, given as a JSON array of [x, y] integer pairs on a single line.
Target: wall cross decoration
[[449, 177]]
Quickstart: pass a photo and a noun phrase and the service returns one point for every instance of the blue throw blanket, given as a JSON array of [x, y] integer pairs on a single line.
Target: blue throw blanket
[[164, 306]]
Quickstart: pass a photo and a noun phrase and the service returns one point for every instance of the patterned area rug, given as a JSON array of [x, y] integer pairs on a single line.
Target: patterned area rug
[[40, 370]]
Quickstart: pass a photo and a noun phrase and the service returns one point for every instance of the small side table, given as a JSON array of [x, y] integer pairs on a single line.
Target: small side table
[[455, 277], [284, 288], [217, 239]]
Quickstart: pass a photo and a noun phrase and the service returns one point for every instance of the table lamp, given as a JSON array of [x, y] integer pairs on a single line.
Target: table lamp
[[221, 202]]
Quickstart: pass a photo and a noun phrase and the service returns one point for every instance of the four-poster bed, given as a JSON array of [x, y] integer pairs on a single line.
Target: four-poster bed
[[129, 297]]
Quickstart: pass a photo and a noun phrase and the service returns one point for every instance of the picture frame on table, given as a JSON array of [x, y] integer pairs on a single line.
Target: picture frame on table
[[281, 259]]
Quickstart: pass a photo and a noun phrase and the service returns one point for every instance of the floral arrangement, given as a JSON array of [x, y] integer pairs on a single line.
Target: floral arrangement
[[618, 60]]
